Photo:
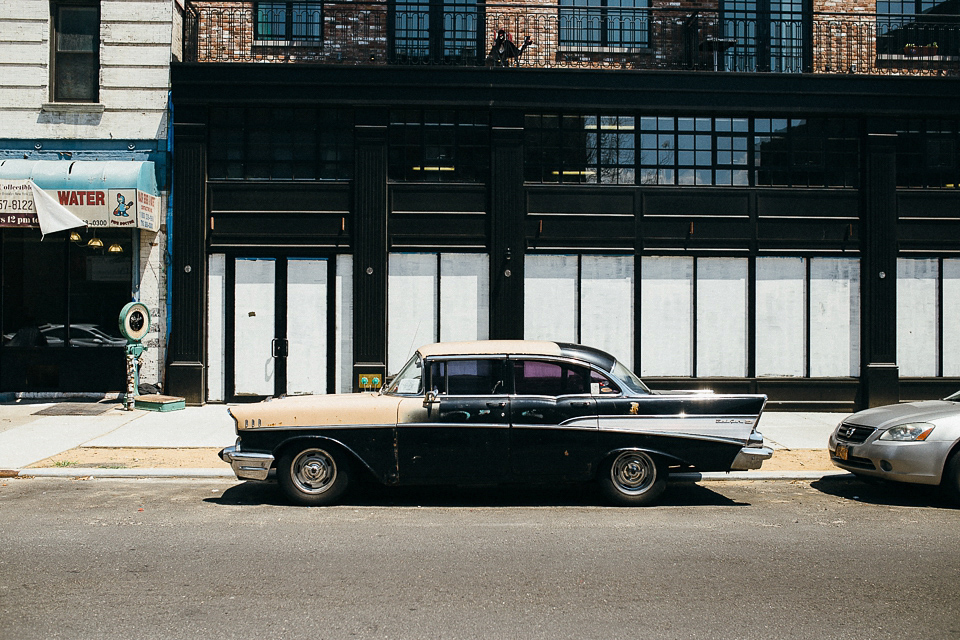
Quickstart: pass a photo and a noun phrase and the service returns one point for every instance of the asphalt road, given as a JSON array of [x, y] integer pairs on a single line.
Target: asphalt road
[[216, 559]]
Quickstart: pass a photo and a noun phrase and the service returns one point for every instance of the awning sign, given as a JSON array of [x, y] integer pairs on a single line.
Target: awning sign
[[98, 208], [17, 208]]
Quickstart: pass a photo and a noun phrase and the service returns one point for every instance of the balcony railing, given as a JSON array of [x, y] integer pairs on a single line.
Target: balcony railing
[[566, 35]]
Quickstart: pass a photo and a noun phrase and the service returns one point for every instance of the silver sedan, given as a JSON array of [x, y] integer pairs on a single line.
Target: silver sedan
[[916, 442]]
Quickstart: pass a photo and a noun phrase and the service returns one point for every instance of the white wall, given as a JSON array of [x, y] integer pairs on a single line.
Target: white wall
[[135, 52], [917, 316]]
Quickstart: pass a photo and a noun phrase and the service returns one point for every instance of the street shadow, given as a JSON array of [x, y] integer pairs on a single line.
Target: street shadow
[[882, 492], [369, 494]]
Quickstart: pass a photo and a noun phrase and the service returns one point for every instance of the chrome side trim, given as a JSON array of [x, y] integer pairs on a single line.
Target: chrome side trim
[[247, 466]]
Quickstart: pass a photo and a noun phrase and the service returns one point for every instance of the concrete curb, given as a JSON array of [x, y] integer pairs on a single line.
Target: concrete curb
[[82, 472]]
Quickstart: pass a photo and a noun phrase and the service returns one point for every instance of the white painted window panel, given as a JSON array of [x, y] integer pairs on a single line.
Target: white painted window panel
[[344, 322], [306, 326], [666, 316], [606, 305], [951, 317], [412, 306], [722, 304], [464, 296], [254, 326], [917, 317], [834, 317], [550, 298], [216, 327], [781, 316]]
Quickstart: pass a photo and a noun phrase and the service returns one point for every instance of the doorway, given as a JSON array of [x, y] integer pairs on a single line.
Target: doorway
[[283, 325]]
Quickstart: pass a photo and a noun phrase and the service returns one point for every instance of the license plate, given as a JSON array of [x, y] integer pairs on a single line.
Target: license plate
[[842, 452]]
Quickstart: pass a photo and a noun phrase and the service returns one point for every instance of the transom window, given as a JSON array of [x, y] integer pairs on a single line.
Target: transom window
[[264, 143], [285, 21], [439, 145], [598, 149]]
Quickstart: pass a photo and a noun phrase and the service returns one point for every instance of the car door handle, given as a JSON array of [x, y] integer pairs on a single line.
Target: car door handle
[[496, 404], [580, 404]]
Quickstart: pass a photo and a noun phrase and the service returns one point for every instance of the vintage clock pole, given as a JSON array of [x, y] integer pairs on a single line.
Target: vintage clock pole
[[134, 325]]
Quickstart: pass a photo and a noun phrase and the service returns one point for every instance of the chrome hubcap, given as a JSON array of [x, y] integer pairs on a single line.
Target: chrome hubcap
[[314, 471], [633, 472]]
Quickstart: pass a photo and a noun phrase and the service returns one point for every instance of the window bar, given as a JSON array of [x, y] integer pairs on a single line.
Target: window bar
[[693, 305], [806, 320]]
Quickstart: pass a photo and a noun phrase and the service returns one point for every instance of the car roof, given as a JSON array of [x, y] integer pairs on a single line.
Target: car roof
[[519, 347]]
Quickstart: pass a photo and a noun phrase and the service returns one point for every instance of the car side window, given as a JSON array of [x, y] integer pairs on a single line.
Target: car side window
[[538, 378], [604, 384], [481, 377]]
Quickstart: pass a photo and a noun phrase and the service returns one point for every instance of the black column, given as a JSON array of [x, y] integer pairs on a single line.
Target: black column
[[370, 250], [878, 280], [507, 210], [185, 374]]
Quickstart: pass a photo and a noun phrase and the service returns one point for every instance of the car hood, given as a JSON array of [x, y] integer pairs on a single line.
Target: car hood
[[892, 415], [300, 411]]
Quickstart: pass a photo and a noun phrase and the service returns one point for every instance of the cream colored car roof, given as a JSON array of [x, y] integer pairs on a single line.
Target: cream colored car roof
[[486, 347]]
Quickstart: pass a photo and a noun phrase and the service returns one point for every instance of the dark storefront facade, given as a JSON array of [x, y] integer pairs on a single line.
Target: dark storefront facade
[[791, 234]]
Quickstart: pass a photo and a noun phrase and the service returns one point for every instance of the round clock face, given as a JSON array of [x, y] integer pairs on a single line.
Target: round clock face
[[137, 320], [134, 321]]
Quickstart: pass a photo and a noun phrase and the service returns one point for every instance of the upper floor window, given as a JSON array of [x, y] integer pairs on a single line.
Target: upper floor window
[[604, 23], [76, 51], [917, 28], [430, 31], [762, 35], [285, 21]]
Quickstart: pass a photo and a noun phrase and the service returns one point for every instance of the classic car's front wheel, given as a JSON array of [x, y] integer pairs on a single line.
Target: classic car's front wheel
[[313, 476], [633, 478]]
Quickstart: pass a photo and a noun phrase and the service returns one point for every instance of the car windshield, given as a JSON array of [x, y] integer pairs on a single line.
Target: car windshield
[[629, 379], [410, 379], [954, 398]]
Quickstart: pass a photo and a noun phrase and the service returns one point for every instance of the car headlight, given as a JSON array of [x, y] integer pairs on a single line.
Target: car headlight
[[910, 432]]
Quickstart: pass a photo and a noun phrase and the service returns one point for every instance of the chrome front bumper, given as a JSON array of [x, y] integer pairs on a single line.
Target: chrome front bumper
[[751, 458], [247, 466], [917, 462]]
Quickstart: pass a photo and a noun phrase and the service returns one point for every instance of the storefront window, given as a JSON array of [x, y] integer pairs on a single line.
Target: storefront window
[[99, 286], [65, 291], [34, 287]]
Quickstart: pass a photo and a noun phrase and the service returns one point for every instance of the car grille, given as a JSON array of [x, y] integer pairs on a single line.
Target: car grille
[[856, 461], [853, 433]]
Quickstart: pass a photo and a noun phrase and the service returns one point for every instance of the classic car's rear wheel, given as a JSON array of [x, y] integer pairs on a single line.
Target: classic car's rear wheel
[[633, 478], [313, 476]]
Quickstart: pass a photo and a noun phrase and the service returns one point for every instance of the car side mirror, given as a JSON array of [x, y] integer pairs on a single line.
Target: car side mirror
[[429, 398]]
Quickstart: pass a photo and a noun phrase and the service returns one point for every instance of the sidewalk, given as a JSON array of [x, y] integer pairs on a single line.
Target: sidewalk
[[78, 439]]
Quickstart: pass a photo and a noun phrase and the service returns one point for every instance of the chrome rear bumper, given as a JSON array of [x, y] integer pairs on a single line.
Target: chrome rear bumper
[[247, 466], [751, 458]]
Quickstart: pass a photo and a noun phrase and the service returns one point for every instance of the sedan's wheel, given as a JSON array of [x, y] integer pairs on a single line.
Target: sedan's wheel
[[633, 478], [951, 478], [313, 476]]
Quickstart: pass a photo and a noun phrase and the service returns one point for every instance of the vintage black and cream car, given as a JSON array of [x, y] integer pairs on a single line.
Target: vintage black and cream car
[[498, 412]]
